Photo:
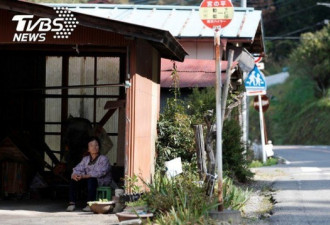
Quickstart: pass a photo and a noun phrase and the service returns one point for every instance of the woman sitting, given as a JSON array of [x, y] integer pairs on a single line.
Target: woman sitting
[[93, 169]]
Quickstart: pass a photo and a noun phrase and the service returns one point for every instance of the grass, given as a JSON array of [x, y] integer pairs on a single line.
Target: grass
[[256, 163], [295, 115]]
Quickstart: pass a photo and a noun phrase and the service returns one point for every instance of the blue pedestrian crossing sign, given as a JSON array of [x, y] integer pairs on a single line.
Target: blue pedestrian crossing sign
[[255, 83]]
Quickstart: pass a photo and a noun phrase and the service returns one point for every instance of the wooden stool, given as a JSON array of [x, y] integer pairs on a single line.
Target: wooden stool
[[103, 193]]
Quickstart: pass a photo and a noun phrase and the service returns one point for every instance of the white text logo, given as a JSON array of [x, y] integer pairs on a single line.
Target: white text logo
[[29, 30]]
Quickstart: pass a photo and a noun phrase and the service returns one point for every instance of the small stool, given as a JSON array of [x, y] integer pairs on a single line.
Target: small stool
[[103, 193]]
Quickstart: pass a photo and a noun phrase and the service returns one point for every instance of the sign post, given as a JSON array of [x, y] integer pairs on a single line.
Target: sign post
[[217, 14], [255, 84]]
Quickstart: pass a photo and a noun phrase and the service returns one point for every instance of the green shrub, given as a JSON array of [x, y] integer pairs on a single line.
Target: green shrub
[[199, 102], [175, 134], [235, 163]]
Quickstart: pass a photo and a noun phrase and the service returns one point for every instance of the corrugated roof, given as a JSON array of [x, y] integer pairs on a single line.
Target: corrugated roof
[[162, 40], [192, 73], [180, 21]]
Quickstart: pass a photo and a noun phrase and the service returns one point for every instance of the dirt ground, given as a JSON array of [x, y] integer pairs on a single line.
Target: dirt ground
[[259, 207], [34, 212], [50, 212]]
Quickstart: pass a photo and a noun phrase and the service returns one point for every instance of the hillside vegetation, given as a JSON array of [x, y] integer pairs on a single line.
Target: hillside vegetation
[[299, 110]]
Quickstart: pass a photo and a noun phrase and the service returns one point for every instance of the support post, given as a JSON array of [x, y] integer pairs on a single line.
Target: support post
[[262, 131], [245, 120], [218, 115]]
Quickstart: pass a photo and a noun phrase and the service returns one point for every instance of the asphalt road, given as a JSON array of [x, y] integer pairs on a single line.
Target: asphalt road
[[303, 188]]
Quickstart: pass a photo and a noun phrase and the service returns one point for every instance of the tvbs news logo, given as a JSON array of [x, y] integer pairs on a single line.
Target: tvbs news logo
[[29, 30]]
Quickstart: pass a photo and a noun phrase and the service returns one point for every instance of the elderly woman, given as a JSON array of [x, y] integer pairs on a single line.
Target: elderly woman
[[94, 170]]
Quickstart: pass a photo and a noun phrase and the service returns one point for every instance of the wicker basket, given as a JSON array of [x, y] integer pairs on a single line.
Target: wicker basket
[[102, 207]]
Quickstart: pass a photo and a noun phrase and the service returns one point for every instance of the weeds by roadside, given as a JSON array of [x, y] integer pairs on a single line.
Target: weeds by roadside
[[270, 162]]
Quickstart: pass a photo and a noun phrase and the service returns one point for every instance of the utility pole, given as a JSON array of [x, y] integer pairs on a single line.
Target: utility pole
[[216, 15], [218, 114]]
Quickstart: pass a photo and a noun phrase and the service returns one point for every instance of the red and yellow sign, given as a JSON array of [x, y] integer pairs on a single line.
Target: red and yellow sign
[[216, 13]]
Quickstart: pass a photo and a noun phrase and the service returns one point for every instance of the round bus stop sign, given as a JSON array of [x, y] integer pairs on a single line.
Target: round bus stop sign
[[216, 13]]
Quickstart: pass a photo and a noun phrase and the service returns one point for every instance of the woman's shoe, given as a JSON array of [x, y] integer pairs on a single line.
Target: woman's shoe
[[86, 209], [71, 208]]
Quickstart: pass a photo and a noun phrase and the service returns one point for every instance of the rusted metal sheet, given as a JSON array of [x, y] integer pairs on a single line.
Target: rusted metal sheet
[[192, 73]]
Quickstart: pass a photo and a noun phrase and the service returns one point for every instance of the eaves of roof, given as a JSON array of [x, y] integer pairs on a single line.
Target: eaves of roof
[[162, 40], [183, 22]]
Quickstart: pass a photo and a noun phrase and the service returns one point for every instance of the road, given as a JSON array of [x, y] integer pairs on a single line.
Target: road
[[276, 78], [303, 187]]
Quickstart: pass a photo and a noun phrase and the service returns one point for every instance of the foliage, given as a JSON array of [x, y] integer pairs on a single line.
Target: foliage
[[131, 184], [182, 216], [286, 101], [175, 135], [311, 59], [311, 124], [182, 199], [285, 21], [199, 102], [139, 202], [270, 162], [166, 193], [234, 197], [234, 160], [295, 115], [175, 125]]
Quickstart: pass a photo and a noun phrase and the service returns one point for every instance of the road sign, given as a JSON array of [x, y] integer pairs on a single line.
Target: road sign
[[255, 83], [260, 65], [264, 103], [216, 13], [257, 59]]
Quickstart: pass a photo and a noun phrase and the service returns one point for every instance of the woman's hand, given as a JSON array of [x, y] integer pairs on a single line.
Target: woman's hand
[[76, 177]]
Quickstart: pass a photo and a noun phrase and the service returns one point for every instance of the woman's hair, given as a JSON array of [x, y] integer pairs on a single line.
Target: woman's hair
[[94, 138]]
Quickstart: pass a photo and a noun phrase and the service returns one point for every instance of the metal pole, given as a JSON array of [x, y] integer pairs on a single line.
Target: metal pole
[[244, 122], [262, 131], [218, 114], [243, 3]]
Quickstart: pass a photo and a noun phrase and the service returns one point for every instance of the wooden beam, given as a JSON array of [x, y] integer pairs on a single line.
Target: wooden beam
[[114, 104]]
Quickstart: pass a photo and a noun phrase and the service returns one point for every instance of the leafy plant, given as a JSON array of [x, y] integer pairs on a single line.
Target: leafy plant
[[175, 135], [131, 184], [139, 202], [234, 161], [234, 197], [199, 102], [182, 190], [182, 200]]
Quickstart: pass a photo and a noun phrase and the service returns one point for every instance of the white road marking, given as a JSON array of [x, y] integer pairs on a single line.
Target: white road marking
[[310, 169]]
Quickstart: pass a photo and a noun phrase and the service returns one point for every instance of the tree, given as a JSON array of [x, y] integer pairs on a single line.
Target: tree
[[311, 58]]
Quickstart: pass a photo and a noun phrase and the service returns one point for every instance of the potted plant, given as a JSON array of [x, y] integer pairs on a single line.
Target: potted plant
[[102, 206], [135, 205]]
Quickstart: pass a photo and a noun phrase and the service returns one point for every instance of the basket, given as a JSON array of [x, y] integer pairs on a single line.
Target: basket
[[102, 207]]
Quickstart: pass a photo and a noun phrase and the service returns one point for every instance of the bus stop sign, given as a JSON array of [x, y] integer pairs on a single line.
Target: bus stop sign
[[216, 13]]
